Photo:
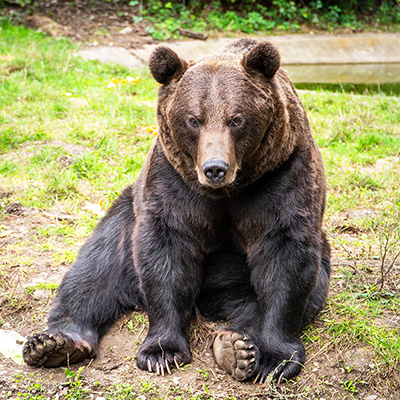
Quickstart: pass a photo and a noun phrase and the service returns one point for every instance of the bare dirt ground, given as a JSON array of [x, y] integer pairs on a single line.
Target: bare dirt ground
[[325, 375], [90, 23]]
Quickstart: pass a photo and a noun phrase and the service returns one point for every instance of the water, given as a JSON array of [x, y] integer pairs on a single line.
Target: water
[[345, 73]]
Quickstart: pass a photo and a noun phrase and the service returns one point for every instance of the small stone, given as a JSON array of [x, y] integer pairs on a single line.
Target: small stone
[[41, 294], [176, 379], [371, 397], [126, 30], [360, 214]]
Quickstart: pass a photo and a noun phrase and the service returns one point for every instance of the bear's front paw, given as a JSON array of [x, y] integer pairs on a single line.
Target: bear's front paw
[[285, 362], [161, 358]]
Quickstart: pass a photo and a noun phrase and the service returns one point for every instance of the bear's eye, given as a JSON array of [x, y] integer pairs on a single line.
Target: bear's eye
[[192, 122], [236, 121]]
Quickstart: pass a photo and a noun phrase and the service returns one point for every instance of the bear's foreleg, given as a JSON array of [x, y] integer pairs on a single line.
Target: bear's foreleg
[[170, 267], [283, 274]]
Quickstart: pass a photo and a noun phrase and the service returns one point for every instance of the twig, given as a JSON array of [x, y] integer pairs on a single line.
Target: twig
[[384, 250], [347, 251], [193, 35], [383, 258]]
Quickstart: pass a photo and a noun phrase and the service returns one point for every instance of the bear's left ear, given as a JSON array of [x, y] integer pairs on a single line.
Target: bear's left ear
[[166, 65], [264, 58]]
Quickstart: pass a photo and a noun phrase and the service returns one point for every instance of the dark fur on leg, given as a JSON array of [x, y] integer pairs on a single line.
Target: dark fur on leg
[[169, 246], [319, 294]]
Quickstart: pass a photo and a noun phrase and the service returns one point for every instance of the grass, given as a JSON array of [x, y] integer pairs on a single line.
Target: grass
[[59, 111], [69, 145]]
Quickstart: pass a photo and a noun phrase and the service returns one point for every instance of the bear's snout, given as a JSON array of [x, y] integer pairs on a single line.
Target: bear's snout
[[216, 163], [215, 170]]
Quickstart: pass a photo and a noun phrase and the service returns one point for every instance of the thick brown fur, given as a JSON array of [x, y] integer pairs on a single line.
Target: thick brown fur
[[226, 216]]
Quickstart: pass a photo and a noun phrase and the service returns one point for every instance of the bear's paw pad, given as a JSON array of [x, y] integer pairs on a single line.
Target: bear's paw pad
[[52, 351], [236, 354]]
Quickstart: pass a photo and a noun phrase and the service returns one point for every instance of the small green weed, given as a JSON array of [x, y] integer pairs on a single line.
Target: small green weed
[[66, 256], [148, 387], [76, 391], [122, 391], [138, 323], [42, 286], [203, 373]]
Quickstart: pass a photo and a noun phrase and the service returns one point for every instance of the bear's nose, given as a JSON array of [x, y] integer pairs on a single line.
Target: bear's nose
[[215, 170]]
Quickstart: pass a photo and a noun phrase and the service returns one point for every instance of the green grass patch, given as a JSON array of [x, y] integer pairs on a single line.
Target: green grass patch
[[360, 319], [359, 136], [64, 133]]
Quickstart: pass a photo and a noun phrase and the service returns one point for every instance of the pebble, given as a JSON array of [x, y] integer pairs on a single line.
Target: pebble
[[126, 30], [41, 294], [371, 397], [360, 214], [175, 379]]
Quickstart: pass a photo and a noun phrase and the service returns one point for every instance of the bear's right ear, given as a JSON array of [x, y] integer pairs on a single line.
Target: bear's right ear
[[166, 65], [264, 58]]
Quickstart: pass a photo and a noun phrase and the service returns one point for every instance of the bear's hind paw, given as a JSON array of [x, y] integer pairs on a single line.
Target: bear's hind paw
[[235, 354], [53, 351]]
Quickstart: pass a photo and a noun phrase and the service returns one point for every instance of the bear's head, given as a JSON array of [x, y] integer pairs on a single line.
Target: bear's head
[[222, 121]]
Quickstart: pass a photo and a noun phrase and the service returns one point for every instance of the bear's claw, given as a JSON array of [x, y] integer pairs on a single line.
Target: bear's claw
[[235, 354], [159, 368], [161, 362]]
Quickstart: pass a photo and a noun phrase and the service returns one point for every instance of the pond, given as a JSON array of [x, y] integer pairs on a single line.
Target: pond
[[380, 73]]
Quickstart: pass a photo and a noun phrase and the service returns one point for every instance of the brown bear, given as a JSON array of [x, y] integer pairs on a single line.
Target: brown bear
[[225, 216]]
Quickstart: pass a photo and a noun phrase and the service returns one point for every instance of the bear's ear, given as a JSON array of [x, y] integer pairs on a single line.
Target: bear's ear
[[264, 58], [165, 65]]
